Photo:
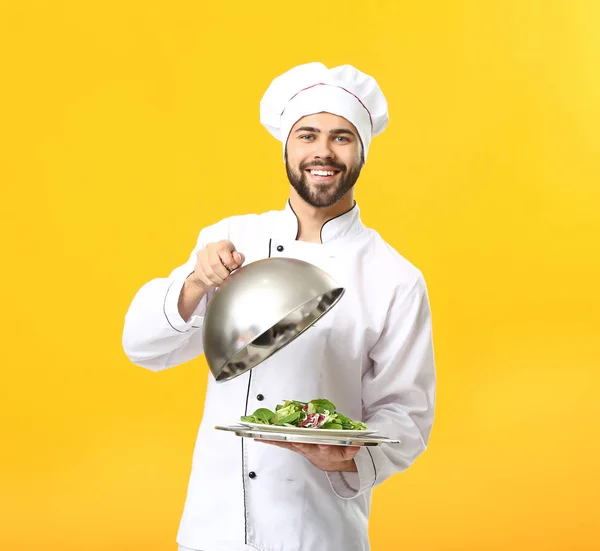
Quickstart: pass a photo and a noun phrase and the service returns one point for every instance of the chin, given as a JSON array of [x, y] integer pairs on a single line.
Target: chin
[[323, 202]]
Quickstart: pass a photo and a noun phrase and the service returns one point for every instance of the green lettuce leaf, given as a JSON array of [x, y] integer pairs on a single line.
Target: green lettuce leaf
[[261, 415], [331, 425], [289, 419], [323, 405], [290, 414]]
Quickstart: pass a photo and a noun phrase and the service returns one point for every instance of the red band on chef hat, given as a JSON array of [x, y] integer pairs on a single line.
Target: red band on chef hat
[[313, 88], [341, 87]]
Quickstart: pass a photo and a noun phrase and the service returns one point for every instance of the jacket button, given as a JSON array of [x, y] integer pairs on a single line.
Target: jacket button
[[260, 397], [280, 248], [252, 474]]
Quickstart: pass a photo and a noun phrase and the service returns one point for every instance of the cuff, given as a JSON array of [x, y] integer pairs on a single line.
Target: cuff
[[348, 485], [171, 308]]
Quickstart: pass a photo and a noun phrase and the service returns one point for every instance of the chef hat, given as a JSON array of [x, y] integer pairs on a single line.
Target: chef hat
[[313, 88]]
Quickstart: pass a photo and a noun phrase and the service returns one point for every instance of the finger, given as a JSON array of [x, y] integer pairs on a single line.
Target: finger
[[305, 449], [239, 258], [225, 251], [217, 264], [231, 258], [331, 452], [208, 272], [350, 451]]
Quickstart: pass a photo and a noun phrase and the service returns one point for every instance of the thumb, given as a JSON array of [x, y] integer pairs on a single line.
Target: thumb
[[239, 258]]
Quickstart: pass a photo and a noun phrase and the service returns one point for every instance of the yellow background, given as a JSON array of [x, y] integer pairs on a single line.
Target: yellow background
[[127, 126]]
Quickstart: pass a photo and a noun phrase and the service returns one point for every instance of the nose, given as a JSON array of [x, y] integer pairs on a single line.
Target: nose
[[323, 149]]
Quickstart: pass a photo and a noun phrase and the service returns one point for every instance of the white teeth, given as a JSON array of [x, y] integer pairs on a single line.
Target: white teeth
[[322, 172]]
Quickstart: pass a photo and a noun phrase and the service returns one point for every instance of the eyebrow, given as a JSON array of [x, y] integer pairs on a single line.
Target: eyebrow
[[332, 131]]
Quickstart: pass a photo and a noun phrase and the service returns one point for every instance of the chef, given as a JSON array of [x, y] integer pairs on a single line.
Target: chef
[[371, 355]]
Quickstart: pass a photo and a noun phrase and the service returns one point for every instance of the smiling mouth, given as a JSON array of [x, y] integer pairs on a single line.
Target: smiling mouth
[[320, 175]]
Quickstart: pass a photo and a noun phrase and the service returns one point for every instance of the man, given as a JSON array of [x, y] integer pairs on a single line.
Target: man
[[371, 355]]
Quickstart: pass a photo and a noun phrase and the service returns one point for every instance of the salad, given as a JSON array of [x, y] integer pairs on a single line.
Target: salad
[[316, 414]]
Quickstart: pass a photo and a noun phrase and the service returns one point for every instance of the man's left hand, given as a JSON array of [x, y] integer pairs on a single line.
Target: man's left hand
[[323, 456]]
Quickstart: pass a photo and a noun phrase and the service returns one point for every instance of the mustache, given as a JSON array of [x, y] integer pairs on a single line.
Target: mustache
[[337, 166]]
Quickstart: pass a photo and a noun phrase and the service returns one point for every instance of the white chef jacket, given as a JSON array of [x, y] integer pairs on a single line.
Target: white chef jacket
[[371, 355]]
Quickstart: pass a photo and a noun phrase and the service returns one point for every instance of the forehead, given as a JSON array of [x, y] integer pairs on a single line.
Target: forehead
[[325, 121]]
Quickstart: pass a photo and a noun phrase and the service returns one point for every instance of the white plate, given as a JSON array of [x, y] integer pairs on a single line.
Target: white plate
[[316, 437], [302, 430]]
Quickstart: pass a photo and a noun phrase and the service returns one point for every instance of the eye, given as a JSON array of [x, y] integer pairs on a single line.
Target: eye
[[342, 138], [308, 136]]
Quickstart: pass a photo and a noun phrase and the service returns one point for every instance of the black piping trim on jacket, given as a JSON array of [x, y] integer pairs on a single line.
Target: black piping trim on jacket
[[165, 310], [374, 467], [243, 462], [321, 232], [297, 223], [243, 465]]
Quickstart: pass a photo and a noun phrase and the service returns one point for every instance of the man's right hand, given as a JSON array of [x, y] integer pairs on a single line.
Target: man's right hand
[[214, 264]]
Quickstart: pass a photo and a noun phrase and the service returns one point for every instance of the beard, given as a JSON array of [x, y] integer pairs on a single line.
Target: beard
[[323, 195]]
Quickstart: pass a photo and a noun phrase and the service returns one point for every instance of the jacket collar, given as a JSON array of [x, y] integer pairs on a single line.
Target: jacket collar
[[344, 225]]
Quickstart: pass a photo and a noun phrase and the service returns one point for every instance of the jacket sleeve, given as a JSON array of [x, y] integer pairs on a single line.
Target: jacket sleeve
[[398, 394], [154, 334]]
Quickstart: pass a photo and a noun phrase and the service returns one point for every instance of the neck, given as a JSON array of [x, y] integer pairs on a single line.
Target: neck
[[311, 219]]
